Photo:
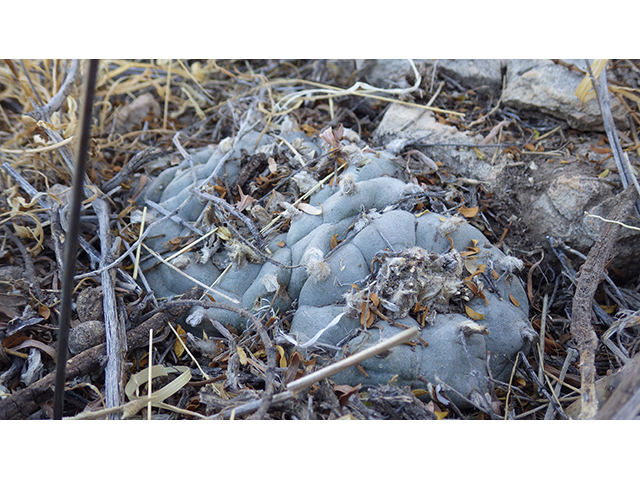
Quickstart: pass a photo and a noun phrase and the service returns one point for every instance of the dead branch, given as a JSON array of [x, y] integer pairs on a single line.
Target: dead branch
[[139, 159], [44, 112], [233, 365], [116, 342], [267, 396], [581, 312]]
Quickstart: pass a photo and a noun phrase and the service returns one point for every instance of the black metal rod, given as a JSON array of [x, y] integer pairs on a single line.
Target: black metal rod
[[71, 240]]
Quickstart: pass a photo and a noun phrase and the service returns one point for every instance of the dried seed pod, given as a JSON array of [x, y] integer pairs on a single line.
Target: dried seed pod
[[86, 335], [89, 304]]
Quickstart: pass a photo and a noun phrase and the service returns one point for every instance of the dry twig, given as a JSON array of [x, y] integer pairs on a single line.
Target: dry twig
[[581, 312]]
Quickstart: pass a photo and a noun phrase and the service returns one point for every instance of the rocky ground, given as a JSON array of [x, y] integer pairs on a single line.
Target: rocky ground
[[506, 144]]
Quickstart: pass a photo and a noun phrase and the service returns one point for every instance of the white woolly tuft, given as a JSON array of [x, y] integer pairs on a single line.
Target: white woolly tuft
[[270, 282], [354, 299], [203, 255], [469, 327], [412, 189], [365, 219], [316, 266], [305, 181], [303, 148], [353, 155], [348, 185], [508, 264], [287, 126], [196, 317], [225, 145], [290, 211], [351, 135], [239, 253], [451, 224], [269, 149], [181, 262]]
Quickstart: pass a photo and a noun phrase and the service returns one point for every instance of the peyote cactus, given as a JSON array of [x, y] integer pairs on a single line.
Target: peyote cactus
[[357, 266]]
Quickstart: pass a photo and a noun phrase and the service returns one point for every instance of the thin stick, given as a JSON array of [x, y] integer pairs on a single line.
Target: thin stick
[[543, 328], [549, 133], [494, 109], [135, 244], [219, 202], [114, 326], [435, 95], [33, 88], [303, 197], [601, 90], [44, 112], [71, 244], [150, 378], [330, 370], [173, 215], [611, 221], [186, 349], [197, 282], [296, 154], [506, 402], [135, 266], [167, 94], [541, 388], [188, 247], [571, 354]]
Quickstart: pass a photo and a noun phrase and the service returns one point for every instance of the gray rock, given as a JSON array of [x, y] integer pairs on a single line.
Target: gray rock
[[447, 144], [542, 85], [530, 85], [386, 73], [559, 212], [482, 75]]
